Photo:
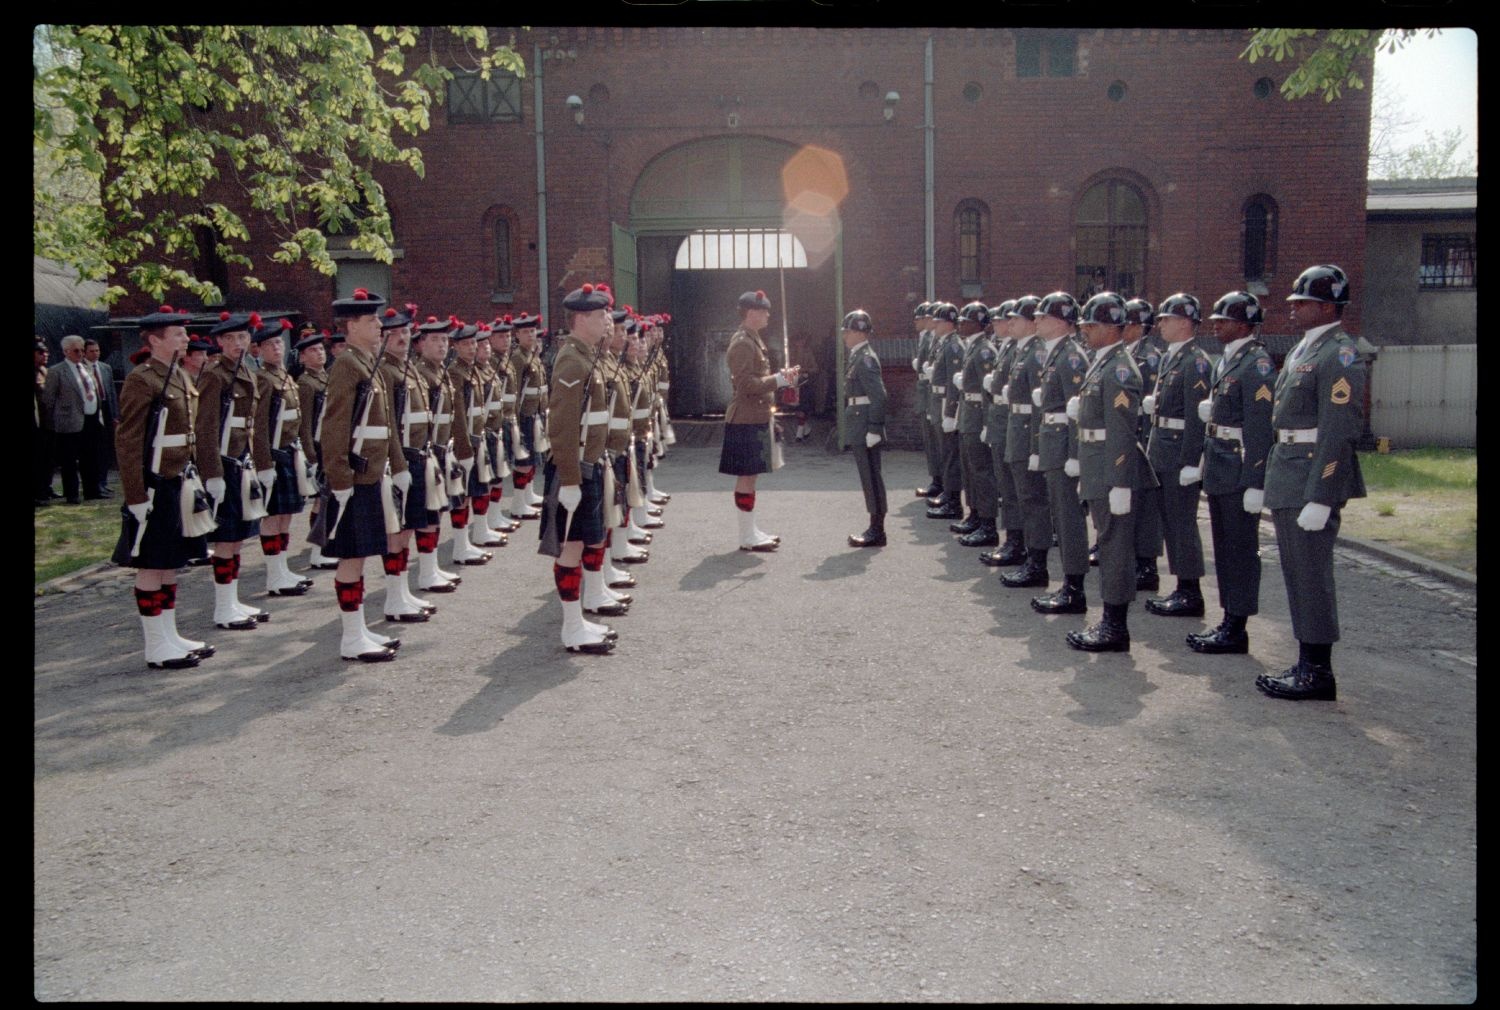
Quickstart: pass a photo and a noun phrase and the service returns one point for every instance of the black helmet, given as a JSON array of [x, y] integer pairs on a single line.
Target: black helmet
[[1105, 307], [1322, 283], [1183, 305], [1001, 312], [1059, 305], [1138, 310], [977, 313], [920, 312], [859, 321], [945, 310], [1240, 307], [1025, 307]]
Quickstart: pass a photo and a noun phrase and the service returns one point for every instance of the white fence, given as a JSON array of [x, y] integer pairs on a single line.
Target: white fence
[[1425, 395]]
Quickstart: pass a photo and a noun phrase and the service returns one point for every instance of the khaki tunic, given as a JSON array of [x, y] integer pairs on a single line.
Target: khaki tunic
[[351, 368], [212, 381], [750, 374], [576, 411], [179, 400], [441, 415], [617, 395], [268, 382], [309, 385]]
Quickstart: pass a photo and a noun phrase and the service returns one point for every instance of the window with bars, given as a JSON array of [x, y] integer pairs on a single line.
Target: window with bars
[[1110, 239], [472, 99], [740, 249], [1258, 225], [969, 226], [1448, 261], [1054, 54]]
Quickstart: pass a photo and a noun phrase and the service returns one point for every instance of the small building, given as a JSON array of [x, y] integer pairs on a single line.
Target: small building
[[1421, 261]]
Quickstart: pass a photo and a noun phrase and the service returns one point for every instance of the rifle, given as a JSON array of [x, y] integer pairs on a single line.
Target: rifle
[[156, 424]]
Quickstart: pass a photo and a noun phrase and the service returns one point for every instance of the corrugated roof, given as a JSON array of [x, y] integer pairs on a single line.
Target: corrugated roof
[[54, 284]]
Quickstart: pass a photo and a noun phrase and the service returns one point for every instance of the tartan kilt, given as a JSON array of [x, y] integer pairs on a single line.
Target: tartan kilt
[[587, 523], [505, 443], [285, 499], [622, 479], [528, 435], [492, 439], [477, 487], [415, 513], [360, 533], [747, 450], [232, 527], [163, 547]]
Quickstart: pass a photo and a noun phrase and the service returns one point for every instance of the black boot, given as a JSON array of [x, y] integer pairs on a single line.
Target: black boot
[[1012, 552], [983, 535], [1228, 637], [1094, 555], [1067, 600], [1186, 601], [1109, 635], [1146, 578], [1032, 575], [945, 510], [1302, 682], [872, 537], [968, 524], [933, 490]]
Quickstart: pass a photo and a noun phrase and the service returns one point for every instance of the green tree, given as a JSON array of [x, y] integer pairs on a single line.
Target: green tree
[[1330, 59], [1436, 157], [137, 128]]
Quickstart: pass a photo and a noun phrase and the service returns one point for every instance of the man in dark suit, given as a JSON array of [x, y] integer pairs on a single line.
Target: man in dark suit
[[73, 408], [104, 379]]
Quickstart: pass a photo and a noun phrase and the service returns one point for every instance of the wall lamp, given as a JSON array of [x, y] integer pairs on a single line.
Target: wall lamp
[[575, 105], [891, 98]]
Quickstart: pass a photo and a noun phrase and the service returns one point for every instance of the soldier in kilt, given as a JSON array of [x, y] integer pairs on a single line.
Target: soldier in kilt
[[276, 452], [432, 349], [498, 411], [526, 362], [312, 391], [468, 449], [405, 409]]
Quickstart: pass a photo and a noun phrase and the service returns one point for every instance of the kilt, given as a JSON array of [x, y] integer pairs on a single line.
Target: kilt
[[622, 478], [416, 514], [643, 462], [747, 450], [477, 487], [360, 533], [232, 527], [285, 499], [586, 525], [163, 547], [528, 436], [492, 439]]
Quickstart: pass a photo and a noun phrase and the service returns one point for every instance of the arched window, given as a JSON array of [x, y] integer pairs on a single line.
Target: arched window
[[971, 226], [499, 232], [740, 249], [1110, 240], [1258, 230]]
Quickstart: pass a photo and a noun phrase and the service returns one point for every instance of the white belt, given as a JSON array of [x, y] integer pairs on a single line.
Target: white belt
[[289, 415], [1232, 434], [618, 423], [1060, 418], [974, 397], [596, 417], [1287, 436], [370, 431], [235, 422], [1174, 423], [171, 441], [530, 390], [493, 404], [940, 390], [441, 418], [542, 390], [663, 386], [1091, 434], [417, 417], [476, 411], [508, 398], [1021, 408], [640, 415], [857, 401]]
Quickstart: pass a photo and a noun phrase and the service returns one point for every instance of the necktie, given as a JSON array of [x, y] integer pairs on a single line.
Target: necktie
[[88, 385]]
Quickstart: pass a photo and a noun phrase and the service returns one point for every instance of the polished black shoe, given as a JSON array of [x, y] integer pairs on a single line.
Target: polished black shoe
[[635, 559], [421, 617], [1179, 604], [628, 582], [1012, 552], [933, 491], [597, 648], [1220, 640], [654, 512], [298, 590], [984, 535], [382, 655], [439, 587], [1106, 636], [945, 510], [869, 538], [1066, 600], [968, 524], [640, 540], [180, 663], [619, 609], [1146, 578], [1094, 556], [1302, 682], [1031, 576]]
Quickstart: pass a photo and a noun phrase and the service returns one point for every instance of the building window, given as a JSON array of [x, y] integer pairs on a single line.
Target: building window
[[502, 255], [740, 249], [969, 224], [1111, 240], [1448, 261], [1258, 226], [472, 99], [210, 265], [1054, 54]]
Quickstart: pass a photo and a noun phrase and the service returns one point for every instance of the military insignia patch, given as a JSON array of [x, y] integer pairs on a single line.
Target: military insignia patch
[[1264, 366], [1346, 356], [1263, 393], [1152, 359], [1120, 459], [1328, 470], [1041, 356], [1122, 372], [1340, 392], [1306, 368], [1200, 384], [1202, 366], [1122, 400]]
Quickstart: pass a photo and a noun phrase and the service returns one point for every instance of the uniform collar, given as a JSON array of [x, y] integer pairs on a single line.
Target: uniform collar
[[1051, 345], [1232, 348], [855, 349]]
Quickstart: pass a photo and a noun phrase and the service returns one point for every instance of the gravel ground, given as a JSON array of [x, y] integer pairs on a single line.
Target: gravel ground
[[822, 774]]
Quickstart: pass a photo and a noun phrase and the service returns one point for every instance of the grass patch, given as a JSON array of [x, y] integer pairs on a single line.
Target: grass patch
[[1421, 500], [70, 537]]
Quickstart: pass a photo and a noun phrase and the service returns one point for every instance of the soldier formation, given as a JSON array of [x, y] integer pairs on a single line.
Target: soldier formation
[[414, 419]]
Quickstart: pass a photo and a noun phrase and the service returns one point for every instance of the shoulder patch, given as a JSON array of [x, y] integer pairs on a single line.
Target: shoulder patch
[[1122, 372], [1152, 358], [1075, 360], [1264, 366], [1202, 366], [1340, 392], [1041, 356], [1346, 355]]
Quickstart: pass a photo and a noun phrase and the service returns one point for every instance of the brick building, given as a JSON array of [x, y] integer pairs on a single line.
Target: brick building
[[1145, 160]]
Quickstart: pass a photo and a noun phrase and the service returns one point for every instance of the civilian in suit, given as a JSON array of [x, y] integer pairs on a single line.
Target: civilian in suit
[[72, 405], [109, 401]]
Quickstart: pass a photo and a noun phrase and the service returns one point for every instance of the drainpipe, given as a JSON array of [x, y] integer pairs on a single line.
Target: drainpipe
[[544, 290], [928, 183]]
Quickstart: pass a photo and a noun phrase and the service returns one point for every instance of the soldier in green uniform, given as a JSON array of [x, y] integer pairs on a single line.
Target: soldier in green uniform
[[279, 463], [312, 391], [1025, 466], [864, 420], [1235, 447], [996, 424], [1055, 446], [1317, 415], [1106, 409], [1146, 501], [922, 401], [1175, 450], [976, 468]]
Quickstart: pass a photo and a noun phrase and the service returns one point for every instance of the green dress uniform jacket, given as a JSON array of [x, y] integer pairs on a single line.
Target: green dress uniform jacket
[[979, 361], [997, 410], [1056, 440], [1027, 360], [863, 381], [1322, 392], [950, 361], [1109, 405], [1237, 441], [923, 395], [1183, 380]]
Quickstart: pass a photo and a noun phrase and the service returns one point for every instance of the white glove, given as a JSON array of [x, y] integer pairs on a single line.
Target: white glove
[[1255, 500], [569, 496], [266, 478], [984, 433], [1313, 516], [950, 423], [342, 497], [1148, 403], [1033, 462], [215, 488], [1036, 396], [1071, 468], [1190, 475], [1005, 392], [958, 380], [927, 372], [782, 380], [871, 440], [914, 366], [1072, 408], [140, 511], [1206, 408], [402, 480], [989, 383], [1119, 501]]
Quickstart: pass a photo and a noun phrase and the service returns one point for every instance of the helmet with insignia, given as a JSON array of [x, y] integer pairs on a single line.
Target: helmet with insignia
[[1105, 307], [859, 322], [1322, 283], [976, 312], [1002, 311], [1239, 307], [945, 311], [1183, 305], [1139, 311], [1059, 305], [920, 312], [1025, 307]]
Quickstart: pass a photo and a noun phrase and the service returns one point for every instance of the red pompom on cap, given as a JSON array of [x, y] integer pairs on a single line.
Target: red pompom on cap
[[588, 289], [760, 294], [286, 324], [254, 321], [166, 308], [390, 312], [507, 317], [361, 294], [432, 319], [223, 316]]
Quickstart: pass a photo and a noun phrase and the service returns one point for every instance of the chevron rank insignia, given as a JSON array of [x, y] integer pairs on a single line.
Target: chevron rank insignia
[[1340, 392], [570, 385], [1200, 384], [1263, 393], [1328, 470], [1120, 459], [1122, 400]]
